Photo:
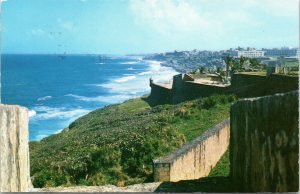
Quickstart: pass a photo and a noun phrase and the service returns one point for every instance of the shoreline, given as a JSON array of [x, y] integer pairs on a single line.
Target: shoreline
[[154, 67]]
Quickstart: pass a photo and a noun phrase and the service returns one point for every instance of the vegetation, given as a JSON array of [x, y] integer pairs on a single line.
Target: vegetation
[[294, 63], [223, 166], [243, 64], [116, 144]]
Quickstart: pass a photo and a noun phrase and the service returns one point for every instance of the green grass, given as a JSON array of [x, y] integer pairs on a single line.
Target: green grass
[[291, 63], [223, 166], [134, 106], [117, 144]]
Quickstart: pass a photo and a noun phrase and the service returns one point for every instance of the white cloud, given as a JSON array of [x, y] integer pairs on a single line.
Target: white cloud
[[209, 19], [68, 25], [37, 32], [286, 8], [168, 15]]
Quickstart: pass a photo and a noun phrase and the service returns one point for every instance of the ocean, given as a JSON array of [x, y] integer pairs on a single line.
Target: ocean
[[59, 89]]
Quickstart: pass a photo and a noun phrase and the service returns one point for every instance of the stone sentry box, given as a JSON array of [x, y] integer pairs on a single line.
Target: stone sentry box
[[196, 158], [14, 149]]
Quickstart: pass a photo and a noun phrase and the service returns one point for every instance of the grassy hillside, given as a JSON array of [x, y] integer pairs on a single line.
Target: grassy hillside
[[116, 144]]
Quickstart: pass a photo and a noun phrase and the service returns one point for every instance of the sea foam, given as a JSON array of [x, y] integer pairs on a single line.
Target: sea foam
[[44, 98], [125, 79], [45, 113], [112, 99]]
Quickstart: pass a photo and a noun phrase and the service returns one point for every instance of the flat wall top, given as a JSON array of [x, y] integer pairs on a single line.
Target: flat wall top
[[164, 85], [6, 106], [209, 83], [265, 97]]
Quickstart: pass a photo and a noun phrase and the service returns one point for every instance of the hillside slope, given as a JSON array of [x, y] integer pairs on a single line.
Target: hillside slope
[[116, 144]]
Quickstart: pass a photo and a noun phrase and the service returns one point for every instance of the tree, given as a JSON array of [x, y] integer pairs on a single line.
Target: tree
[[228, 60], [202, 69], [253, 63], [242, 61]]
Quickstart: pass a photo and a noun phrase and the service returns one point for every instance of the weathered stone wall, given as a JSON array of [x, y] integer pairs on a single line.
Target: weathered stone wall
[[247, 85], [14, 149], [264, 145], [242, 84], [196, 158], [194, 90], [160, 95], [282, 83], [178, 94]]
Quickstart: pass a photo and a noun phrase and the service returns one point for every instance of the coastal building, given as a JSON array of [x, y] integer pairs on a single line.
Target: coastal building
[[249, 52], [282, 52]]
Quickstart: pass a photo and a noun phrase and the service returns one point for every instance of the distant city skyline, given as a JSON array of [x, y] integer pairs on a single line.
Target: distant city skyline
[[145, 26]]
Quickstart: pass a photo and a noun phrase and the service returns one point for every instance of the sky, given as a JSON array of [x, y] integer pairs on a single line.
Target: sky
[[145, 26]]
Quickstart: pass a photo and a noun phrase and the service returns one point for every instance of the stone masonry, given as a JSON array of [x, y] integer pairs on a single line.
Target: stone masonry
[[14, 149], [196, 158]]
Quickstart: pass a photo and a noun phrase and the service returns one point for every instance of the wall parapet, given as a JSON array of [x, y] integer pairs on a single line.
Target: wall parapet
[[196, 158], [14, 149]]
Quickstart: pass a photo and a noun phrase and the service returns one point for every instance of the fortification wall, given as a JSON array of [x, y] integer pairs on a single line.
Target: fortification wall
[[242, 84], [282, 83], [196, 158], [264, 145], [14, 149], [160, 94], [178, 94], [194, 90], [247, 85]]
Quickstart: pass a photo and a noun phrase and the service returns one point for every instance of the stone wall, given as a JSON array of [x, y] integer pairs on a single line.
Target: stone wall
[[196, 158], [193, 90], [242, 84], [14, 149], [247, 85], [282, 83], [160, 94], [264, 145], [178, 93]]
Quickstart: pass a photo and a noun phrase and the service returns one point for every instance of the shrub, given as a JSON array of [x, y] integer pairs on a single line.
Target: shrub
[[47, 178], [182, 112], [209, 102], [83, 182], [232, 98]]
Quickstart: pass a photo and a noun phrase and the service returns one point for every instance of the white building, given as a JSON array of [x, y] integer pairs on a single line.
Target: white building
[[250, 53]]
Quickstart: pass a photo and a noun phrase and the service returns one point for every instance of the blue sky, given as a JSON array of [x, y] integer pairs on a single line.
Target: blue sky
[[145, 26]]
